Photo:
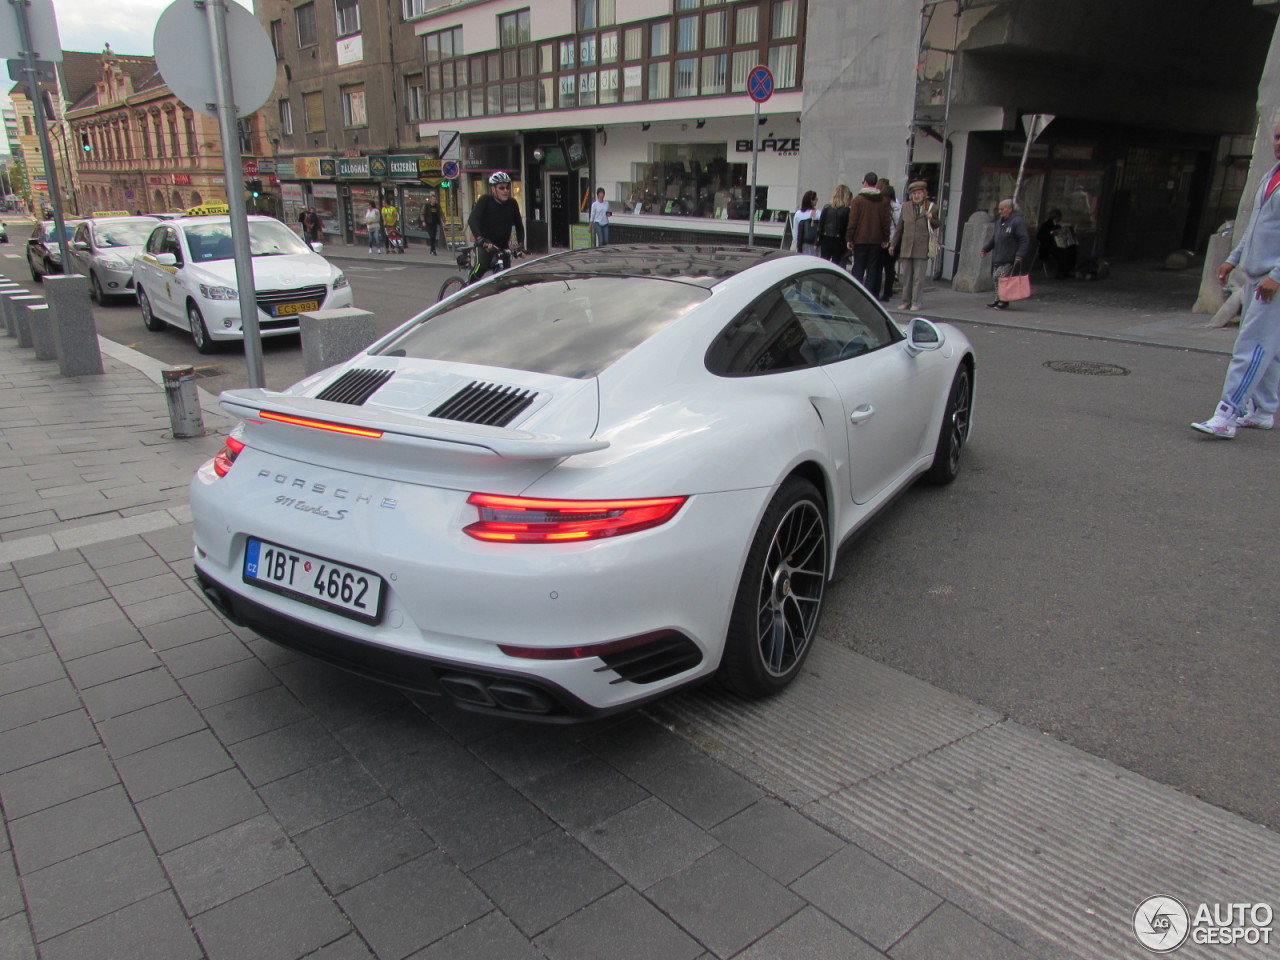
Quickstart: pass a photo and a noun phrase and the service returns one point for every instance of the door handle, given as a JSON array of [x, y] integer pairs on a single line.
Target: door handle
[[863, 412]]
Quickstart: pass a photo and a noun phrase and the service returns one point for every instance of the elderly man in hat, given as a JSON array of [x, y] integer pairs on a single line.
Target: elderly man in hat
[[911, 243]]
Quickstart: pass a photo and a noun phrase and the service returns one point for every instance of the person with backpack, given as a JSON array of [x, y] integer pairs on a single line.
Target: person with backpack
[[870, 224], [804, 224], [832, 225]]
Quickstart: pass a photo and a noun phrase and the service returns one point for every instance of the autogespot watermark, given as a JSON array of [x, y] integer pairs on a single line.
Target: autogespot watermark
[[1162, 924]]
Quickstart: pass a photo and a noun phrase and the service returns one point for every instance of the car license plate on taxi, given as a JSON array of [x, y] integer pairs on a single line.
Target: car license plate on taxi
[[289, 309], [320, 582]]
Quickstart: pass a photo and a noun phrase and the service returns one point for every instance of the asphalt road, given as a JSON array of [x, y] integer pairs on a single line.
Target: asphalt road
[[1099, 571]]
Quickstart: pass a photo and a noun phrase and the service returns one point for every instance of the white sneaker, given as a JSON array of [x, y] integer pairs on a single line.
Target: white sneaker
[[1221, 427], [1254, 417]]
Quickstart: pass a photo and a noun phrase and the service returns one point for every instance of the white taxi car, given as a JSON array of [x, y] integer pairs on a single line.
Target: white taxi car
[[186, 277]]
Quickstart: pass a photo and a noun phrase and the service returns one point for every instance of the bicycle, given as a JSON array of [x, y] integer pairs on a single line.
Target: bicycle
[[501, 261]]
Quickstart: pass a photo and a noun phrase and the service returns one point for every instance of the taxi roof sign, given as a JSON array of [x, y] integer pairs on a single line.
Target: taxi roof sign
[[110, 213], [209, 210]]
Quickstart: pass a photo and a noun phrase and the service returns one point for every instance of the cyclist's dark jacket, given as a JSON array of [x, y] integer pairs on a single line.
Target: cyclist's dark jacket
[[493, 221]]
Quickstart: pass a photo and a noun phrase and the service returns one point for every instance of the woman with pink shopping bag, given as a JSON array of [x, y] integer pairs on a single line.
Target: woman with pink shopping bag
[[1009, 245]]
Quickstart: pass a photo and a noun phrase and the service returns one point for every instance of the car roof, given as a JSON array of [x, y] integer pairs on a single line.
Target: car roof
[[702, 265]]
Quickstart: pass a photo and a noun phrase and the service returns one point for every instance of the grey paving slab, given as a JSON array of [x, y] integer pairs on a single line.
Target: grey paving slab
[[11, 898], [283, 752], [255, 714], [362, 844], [812, 935], [118, 697], [425, 781], [172, 607], [350, 947], [59, 578], [543, 881], [413, 905], [867, 896], [28, 671], [231, 862], [134, 592], [647, 842], [621, 926], [175, 763], [583, 793], [492, 936], [193, 658], [37, 703], [17, 612], [92, 885], [15, 939], [482, 823], [20, 643], [152, 929], [65, 598], [198, 810], [56, 780], [321, 793], [122, 661], [396, 746], [71, 828], [46, 739], [229, 682], [777, 839], [282, 920], [149, 726], [113, 631], [528, 752], [950, 934]]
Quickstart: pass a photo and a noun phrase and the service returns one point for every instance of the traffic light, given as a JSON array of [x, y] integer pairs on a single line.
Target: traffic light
[[254, 187], [85, 145]]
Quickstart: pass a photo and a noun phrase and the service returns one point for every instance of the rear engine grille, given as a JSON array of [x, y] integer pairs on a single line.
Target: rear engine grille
[[488, 403], [355, 386], [268, 298], [666, 656]]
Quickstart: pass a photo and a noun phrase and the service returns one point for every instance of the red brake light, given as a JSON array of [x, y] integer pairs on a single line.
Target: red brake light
[[227, 456], [532, 520], [319, 424]]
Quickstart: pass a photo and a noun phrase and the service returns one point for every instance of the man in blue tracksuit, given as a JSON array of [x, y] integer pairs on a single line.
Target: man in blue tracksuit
[[1251, 392]]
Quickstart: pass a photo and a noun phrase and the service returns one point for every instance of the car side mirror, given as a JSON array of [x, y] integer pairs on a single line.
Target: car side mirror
[[80, 245], [166, 260], [922, 335], [317, 246]]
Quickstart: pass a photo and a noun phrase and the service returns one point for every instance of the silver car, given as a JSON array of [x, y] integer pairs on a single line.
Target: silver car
[[103, 249]]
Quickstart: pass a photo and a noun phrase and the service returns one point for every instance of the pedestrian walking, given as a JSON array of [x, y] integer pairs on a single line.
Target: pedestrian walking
[[910, 243], [804, 224], [832, 225], [430, 221], [391, 227], [373, 224], [1008, 247], [883, 287], [600, 215], [1251, 390], [870, 220]]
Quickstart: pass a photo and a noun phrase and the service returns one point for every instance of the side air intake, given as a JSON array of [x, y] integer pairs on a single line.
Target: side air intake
[[490, 404], [355, 386]]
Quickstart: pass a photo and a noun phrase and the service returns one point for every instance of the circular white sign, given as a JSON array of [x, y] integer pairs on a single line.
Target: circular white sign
[[184, 55], [1161, 924]]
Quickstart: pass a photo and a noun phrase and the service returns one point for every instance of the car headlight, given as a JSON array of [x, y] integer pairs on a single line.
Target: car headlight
[[210, 292], [114, 263], [340, 282]]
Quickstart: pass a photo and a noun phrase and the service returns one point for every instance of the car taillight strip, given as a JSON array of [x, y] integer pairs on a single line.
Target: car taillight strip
[[319, 424], [505, 519]]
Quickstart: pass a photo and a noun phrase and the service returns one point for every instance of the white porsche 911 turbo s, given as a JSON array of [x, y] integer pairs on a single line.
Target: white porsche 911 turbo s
[[584, 482]]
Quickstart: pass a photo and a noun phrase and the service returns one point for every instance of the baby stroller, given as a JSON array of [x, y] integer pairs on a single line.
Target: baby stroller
[[395, 240]]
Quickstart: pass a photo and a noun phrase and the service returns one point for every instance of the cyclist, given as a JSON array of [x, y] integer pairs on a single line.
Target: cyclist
[[491, 222]]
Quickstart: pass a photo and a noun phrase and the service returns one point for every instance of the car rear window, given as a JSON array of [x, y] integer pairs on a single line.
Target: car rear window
[[564, 325]]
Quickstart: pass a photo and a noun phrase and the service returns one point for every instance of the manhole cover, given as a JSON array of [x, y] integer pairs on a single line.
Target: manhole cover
[[205, 372], [1088, 368]]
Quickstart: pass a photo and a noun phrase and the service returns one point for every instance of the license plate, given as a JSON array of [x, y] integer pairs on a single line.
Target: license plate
[[318, 581], [288, 309]]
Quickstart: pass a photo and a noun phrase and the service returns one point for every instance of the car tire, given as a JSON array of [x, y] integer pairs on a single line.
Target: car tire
[[36, 275], [449, 288], [779, 601], [954, 432], [96, 293], [149, 318], [199, 332]]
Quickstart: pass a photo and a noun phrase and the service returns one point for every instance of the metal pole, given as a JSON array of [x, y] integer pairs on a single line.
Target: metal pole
[[216, 12], [42, 130], [755, 149]]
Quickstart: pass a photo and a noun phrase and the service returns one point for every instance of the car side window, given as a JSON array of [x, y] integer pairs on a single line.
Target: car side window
[[155, 242], [172, 244], [81, 234], [809, 320]]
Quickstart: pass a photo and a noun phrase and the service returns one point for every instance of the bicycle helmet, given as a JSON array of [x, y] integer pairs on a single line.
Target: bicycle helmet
[[499, 177]]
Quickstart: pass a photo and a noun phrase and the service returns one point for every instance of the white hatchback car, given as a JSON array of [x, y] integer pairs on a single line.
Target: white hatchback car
[[584, 482], [186, 277]]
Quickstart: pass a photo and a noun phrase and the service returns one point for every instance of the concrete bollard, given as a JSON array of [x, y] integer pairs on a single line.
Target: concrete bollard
[[973, 272], [331, 336], [7, 286], [11, 311], [76, 336], [185, 416], [19, 307], [40, 320]]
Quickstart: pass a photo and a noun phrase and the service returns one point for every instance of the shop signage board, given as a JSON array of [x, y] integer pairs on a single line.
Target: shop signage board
[[402, 167], [429, 170]]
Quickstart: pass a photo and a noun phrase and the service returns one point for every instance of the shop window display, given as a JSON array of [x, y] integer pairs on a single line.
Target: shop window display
[[690, 180]]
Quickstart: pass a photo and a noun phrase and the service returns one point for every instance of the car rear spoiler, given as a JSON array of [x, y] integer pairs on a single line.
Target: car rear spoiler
[[253, 404]]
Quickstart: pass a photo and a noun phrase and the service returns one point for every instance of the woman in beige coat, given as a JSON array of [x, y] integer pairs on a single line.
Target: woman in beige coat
[[911, 242]]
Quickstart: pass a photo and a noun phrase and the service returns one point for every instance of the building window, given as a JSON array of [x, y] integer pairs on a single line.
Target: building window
[[687, 77], [26, 126], [346, 17], [587, 90], [587, 51], [713, 74], [633, 84], [568, 90], [305, 18], [277, 38], [608, 86], [782, 62], [596, 13], [313, 107], [659, 39], [785, 14], [188, 121], [514, 28], [609, 46], [353, 114], [686, 34], [244, 133], [415, 94], [713, 34], [743, 62], [286, 118], [443, 44], [411, 9], [567, 60], [660, 80], [634, 44], [747, 25]]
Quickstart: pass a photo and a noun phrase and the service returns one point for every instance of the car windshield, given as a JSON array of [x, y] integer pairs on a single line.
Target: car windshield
[[267, 238], [566, 325], [132, 233]]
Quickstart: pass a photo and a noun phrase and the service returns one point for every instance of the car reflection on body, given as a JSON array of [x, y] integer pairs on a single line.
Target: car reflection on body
[[44, 253], [103, 249], [584, 482], [186, 277]]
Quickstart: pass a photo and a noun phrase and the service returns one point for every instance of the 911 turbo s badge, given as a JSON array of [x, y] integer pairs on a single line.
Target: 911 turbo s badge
[[305, 507]]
